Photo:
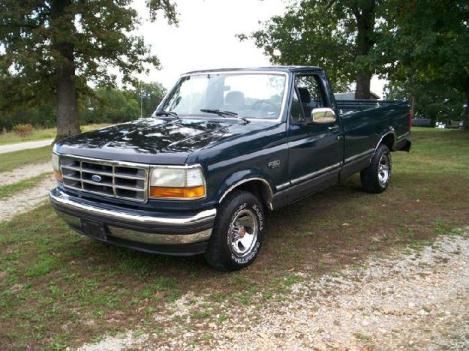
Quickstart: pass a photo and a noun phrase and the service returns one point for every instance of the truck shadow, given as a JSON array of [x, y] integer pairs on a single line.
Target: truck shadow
[[293, 238], [327, 232]]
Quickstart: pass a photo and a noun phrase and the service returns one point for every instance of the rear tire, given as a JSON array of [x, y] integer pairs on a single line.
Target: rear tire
[[377, 176], [237, 233]]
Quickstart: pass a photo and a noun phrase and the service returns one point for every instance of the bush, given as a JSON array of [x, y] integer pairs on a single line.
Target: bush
[[23, 130], [38, 117]]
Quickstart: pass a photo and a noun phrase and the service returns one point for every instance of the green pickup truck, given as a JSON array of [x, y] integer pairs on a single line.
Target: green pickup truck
[[223, 149]]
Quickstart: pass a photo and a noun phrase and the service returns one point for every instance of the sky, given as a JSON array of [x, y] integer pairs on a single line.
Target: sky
[[205, 37]]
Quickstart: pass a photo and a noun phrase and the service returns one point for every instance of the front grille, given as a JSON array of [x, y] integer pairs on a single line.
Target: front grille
[[115, 179]]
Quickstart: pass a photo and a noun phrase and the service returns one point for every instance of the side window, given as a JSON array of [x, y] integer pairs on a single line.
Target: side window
[[310, 93], [296, 113]]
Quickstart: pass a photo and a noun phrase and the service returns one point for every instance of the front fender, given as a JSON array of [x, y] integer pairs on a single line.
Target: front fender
[[240, 177]]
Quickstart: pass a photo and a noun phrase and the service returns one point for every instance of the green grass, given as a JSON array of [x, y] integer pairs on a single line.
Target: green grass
[[60, 289], [11, 189], [39, 134], [12, 160], [434, 149]]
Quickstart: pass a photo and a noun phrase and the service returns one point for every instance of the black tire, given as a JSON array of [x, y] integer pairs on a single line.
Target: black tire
[[225, 245], [377, 176]]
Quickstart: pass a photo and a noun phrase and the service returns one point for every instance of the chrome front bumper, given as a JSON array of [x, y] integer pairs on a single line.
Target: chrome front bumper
[[134, 226]]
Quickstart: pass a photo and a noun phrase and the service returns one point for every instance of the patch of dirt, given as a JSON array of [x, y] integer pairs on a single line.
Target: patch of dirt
[[25, 172], [25, 200], [413, 300], [116, 343]]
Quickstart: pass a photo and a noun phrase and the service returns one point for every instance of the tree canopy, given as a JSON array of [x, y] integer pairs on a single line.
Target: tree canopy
[[150, 95], [114, 105], [425, 49], [105, 104], [53, 49], [336, 35], [421, 46]]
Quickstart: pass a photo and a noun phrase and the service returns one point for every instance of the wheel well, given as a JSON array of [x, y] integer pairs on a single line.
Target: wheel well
[[258, 188], [388, 140]]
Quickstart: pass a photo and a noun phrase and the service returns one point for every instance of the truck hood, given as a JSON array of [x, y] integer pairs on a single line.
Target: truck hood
[[155, 140]]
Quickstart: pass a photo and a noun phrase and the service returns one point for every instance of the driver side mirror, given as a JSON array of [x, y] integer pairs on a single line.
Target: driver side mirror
[[323, 115]]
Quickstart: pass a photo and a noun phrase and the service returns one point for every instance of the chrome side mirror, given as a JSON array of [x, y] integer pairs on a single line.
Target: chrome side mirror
[[323, 115]]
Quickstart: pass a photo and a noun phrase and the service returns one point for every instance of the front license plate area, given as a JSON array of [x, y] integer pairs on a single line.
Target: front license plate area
[[93, 229]]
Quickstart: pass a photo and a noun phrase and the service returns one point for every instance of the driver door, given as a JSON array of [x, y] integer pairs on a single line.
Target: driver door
[[315, 149]]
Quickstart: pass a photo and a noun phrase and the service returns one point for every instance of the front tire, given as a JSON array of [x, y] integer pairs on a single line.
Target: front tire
[[377, 176], [237, 233]]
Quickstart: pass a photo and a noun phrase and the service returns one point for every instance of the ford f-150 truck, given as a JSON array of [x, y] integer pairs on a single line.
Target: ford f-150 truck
[[222, 149]]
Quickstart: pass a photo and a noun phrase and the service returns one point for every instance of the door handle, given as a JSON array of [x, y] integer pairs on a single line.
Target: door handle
[[333, 127]]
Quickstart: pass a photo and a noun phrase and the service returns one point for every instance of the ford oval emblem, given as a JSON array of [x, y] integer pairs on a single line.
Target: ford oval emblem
[[96, 178]]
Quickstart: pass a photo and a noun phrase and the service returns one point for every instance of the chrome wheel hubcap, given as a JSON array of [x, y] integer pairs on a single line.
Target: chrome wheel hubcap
[[243, 232], [384, 170]]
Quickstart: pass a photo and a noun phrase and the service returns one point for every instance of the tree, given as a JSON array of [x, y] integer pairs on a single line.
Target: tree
[[149, 95], [113, 105], [105, 104], [338, 35], [52, 49], [430, 101], [426, 47], [110, 105]]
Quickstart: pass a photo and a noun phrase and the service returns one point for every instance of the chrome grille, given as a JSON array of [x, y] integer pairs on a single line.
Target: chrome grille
[[116, 179]]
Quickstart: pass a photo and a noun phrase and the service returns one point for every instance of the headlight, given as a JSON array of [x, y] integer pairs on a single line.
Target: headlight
[[56, 167], [177, 183]]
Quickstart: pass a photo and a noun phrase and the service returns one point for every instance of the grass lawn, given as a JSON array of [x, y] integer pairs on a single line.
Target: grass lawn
[[38, 134], [12, 160], [58, 288]]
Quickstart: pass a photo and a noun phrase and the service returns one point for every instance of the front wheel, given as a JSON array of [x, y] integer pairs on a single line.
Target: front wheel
[[237, 233], [377, 176]]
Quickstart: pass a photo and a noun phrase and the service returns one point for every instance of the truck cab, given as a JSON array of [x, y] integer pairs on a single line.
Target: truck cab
[[222, 149]]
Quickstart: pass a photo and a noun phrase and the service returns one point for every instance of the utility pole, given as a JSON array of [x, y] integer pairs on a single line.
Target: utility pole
[[141, 98]]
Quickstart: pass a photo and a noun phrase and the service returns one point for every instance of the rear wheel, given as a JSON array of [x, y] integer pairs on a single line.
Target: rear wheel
[[377, 176], [237, 233]]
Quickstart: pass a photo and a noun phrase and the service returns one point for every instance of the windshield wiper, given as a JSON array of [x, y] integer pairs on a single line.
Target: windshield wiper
[[223, 113], [218, 112], [167, 113]]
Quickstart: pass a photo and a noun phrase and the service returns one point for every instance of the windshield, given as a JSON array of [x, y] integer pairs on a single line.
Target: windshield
[[248, 95]]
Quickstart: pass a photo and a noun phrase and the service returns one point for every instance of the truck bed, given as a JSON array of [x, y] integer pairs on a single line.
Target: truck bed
[[348, 106]]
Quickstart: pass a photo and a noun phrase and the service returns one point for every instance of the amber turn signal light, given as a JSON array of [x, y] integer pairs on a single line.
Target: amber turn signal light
[[178, 193], [58, 175]]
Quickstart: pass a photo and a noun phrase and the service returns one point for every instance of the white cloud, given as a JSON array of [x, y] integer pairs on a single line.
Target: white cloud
[[205, 37]]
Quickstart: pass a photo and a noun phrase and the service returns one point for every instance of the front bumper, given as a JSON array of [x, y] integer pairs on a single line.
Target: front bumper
[[156, 232]]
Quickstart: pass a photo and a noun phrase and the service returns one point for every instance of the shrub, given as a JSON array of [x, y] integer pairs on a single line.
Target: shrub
[[23, 130]]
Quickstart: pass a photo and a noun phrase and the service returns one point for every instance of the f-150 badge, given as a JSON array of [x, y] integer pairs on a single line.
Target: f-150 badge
[[274, 164]]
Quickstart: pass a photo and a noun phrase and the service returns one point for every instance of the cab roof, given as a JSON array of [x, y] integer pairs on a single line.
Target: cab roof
[[286, 69]]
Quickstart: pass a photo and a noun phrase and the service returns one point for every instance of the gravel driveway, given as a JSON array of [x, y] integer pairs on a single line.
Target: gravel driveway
[[30, 198], [25, 172], [413, 301], [26, 200]]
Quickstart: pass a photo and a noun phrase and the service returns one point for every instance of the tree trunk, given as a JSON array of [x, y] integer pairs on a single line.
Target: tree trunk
[[67, 115], [365, 17], [363, 85]]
